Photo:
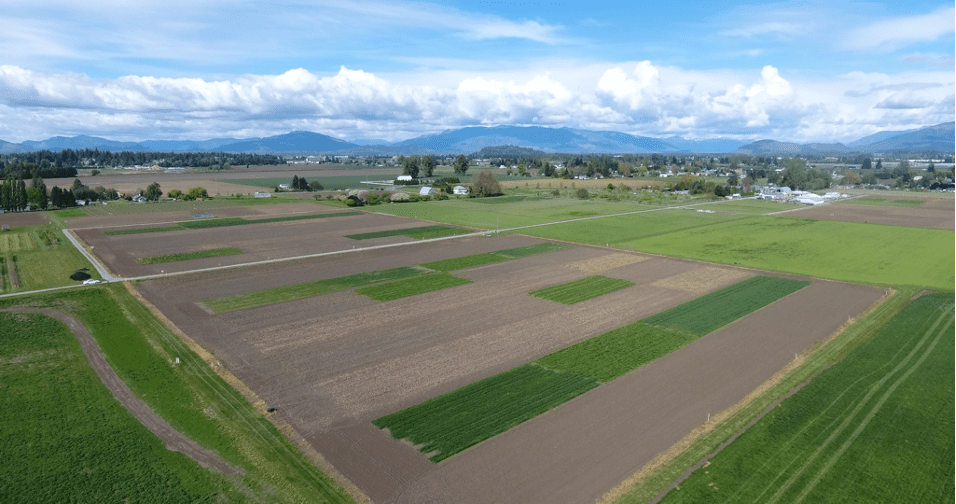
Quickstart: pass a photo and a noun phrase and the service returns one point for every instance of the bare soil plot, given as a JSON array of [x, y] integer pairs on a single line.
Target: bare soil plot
[[259, 242], [14, 219], [333, 363], [116, 222], [935, 213]]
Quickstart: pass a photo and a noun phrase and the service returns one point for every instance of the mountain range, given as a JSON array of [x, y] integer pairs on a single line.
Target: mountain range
[[941, 137]]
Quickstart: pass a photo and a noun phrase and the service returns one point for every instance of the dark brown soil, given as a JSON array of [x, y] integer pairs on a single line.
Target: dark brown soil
[[174, 440], [14, 219]]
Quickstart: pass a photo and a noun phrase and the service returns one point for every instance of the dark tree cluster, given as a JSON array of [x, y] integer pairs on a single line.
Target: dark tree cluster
[[71, 159]]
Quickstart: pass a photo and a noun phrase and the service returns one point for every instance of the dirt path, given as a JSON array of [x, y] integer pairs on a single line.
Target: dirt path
[[174, 440]]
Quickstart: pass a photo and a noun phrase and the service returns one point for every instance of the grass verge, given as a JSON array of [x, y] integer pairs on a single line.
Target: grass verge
[[582, 290], [190, 396], [185, 256], [225, 222], [464, 262]]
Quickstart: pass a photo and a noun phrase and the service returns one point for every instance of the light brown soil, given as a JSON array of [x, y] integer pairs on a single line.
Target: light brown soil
[[935, 213], [333, 363], [174, 440]]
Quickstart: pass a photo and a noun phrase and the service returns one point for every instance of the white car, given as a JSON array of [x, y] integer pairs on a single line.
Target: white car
[[90, 282]]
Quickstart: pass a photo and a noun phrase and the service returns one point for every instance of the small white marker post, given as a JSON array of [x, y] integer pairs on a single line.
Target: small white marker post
[[708, 417]]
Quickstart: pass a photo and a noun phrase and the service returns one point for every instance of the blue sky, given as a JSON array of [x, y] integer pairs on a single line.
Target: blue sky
[[801, 71]]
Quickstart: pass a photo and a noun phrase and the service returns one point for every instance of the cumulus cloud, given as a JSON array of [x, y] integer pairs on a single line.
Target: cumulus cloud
[[638, 97]]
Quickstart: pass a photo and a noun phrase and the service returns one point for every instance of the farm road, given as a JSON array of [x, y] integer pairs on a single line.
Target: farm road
[[174, 440]]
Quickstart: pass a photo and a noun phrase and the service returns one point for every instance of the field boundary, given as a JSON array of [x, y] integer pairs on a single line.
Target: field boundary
[[767, 391], [258, 404]]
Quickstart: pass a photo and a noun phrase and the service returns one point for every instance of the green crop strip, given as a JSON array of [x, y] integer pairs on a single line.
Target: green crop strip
[[876, 201], [464, 262], [617, 352], [190, 255], [582, 290], [422, 232], [717, 309], [445, 424], [530, 250], [412, 286], [226, 222], [450, 423], [308, 289], [876, 427]]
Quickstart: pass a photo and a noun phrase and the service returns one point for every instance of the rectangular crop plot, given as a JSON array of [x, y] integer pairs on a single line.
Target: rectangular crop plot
[[617, 352], [582, 290], [887, 202], [416, 232], [450, 423], [309, 289], [530, 250], [191, 255], [412, 286], [719, 308], [464, 262]]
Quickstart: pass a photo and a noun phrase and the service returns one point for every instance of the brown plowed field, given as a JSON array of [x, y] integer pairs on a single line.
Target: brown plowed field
[[14, 219], [333, 363], [935, 213], [259, 242]]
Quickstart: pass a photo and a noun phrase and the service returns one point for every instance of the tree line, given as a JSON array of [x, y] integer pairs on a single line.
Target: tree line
[[91, 158]]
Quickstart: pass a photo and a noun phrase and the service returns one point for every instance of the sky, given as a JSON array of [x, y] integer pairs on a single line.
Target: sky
[[801, 71]]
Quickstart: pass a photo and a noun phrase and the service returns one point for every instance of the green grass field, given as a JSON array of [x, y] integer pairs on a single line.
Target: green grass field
[[581, 290], [40, 257], [71, 441], [617, 352], [185, 256], [412, 286], [423, 232], [887, 202], [226, 222], [464, 262], [450, 423], [308, 289], [840, 438], [712, 311], [190, 397], [128, 208], [749, 206]]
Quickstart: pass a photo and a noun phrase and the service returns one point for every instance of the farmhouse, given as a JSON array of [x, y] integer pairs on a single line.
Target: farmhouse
[[139, 198]]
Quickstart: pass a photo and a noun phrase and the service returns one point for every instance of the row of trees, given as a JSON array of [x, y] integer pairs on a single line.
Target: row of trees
[[83, 158]]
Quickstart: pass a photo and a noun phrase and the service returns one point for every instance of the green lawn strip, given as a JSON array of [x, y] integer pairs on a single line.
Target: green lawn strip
[[877, 201], [749, 206], [530, 250], [877, 427], [450, 423], [423, 232], [308, 289], [617, 352], [185, 256], [582, 290], [190, 396], [50, 264], [719, 308], [412, 286], [213, 223], [71, 440], [818, 360], [464, 262], [301, 217]]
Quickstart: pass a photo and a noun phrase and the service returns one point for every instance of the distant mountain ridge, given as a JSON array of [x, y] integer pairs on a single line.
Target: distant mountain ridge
[[468, 140]]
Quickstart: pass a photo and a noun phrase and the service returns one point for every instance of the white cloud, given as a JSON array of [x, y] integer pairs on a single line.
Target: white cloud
[[902, 31]]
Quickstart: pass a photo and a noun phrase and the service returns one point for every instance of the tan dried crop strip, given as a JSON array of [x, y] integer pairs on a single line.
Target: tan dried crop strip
[[607, 262], [701, 280]]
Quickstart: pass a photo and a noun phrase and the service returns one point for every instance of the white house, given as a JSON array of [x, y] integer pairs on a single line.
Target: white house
[[139, 198], [427, 191], [459, 189]]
